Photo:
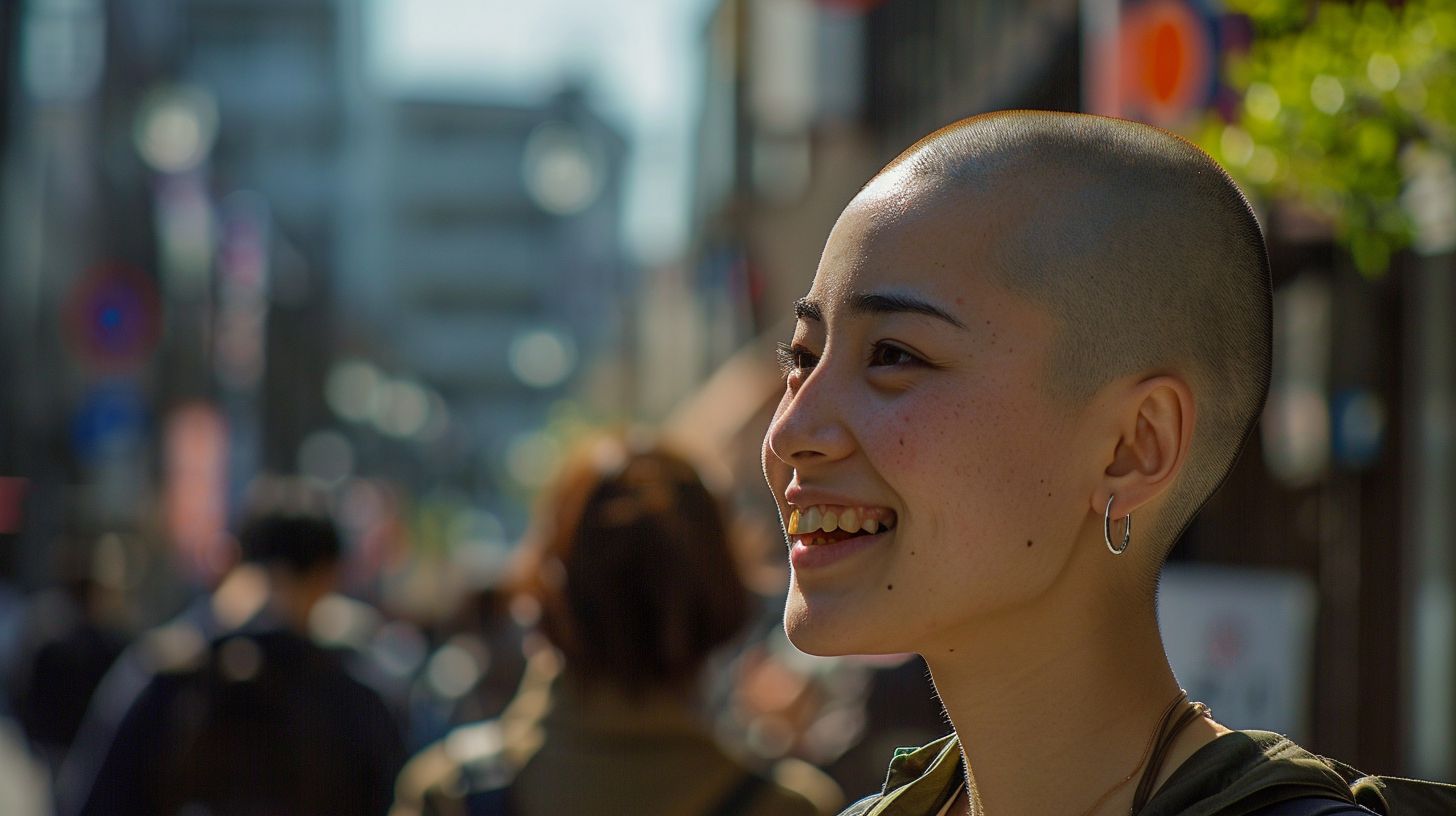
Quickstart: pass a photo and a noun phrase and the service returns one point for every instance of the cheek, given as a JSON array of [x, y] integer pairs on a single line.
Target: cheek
[[952, 436], [990, 458]]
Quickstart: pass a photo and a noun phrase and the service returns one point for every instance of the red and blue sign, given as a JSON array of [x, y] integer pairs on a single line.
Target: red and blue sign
[[113, 317]]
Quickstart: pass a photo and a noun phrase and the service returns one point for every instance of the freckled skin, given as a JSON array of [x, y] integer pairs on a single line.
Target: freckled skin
[[957, 449]]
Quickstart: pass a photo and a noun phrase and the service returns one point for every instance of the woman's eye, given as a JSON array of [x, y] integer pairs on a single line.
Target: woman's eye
[[795, 358], [885, 354]]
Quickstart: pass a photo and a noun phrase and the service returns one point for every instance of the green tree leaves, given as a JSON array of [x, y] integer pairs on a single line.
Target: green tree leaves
[[1336, 100]]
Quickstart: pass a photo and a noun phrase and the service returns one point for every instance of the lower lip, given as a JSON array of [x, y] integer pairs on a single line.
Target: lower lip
[[805, 557]]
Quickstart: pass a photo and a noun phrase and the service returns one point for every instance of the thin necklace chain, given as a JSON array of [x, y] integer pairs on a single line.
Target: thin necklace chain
[[977, 809], [1147, 751]]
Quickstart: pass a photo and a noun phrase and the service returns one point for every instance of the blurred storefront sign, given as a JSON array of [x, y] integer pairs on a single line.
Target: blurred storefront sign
[[1296, 428], [242, 290], [1154, 61], [1357, 422], [110, 419], [12, 503], [195, 491], [184, 223], [1242, 641], [110, 436], [1429, 199]]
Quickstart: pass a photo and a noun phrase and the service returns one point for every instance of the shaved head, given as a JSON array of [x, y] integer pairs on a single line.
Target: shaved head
[[1138, 244]]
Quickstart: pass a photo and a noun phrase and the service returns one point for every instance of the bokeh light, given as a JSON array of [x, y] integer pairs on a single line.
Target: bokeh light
[[175, 128], [564, 172], [542, 358]]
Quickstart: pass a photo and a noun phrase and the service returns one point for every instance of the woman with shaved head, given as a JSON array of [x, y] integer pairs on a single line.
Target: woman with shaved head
[[1026, 332]]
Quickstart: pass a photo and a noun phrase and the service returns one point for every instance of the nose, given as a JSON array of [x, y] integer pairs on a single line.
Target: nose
[[809, 425]]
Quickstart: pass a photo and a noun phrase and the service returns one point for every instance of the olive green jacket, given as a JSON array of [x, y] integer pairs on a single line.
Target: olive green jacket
[[562, 749], [1234, 775]]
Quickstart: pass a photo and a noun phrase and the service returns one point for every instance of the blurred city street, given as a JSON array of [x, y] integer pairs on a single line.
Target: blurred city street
[[402, 257]]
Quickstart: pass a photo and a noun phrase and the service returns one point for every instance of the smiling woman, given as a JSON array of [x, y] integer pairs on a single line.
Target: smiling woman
[[1023, 331]]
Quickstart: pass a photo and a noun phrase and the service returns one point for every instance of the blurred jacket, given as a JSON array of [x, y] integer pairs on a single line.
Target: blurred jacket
[[561, 748]]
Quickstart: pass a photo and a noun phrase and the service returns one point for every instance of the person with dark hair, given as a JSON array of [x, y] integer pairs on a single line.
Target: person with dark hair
[[69, 638], [630, 565], [235, 710], [1025, 331]]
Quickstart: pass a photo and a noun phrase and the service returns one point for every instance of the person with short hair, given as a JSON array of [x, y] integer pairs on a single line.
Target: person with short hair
[[1026, 332], [232, 709], [630, 565]]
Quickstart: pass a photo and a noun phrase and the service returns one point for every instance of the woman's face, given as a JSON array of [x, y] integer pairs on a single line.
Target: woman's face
[[916, 400]]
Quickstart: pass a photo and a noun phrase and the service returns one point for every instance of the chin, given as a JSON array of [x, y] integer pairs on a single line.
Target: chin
[[819, 628]]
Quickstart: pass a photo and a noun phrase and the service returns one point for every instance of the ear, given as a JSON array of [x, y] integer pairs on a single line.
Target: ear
[[1154, 422]]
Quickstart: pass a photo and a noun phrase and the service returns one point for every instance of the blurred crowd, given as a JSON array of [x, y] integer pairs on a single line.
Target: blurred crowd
[[619, 663]]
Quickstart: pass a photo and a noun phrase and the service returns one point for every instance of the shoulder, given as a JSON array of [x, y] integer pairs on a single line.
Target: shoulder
[[172, 648], [1243, 773]]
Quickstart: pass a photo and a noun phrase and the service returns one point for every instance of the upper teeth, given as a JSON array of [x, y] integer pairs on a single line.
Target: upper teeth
[[829, 518]]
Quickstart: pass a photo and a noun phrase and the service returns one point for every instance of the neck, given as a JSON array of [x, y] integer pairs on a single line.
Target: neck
[[1068, 690], [288, 596]]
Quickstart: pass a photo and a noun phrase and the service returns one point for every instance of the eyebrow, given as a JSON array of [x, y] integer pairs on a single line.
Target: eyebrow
[[886, 303], [806, 309]]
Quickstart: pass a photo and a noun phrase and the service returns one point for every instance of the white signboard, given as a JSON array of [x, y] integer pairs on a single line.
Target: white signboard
[[1242, 641]]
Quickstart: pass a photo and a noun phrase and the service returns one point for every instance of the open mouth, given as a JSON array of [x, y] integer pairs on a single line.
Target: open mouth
[[828, 523]]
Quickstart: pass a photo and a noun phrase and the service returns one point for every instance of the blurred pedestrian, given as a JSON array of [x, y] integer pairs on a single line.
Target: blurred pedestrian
[[239, 711], [69, 638], [630, 564], [474, 671]]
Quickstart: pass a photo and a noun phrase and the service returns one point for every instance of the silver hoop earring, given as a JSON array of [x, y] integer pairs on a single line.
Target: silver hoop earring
[[1107, 528]]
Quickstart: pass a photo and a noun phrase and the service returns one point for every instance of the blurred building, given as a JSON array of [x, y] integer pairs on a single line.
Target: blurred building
[[806, 99], [209, 210], [280, 74], [9, 62], [486, 269], [180, 164], [76, 312]]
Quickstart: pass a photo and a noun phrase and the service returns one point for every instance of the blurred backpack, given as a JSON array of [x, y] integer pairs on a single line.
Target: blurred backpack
[[268, 722], [1394, 796], [1382, 795]]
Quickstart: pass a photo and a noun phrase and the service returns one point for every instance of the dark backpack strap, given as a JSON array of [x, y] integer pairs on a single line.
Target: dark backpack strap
[[1312, 806], [491, 802], [736, 801]]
